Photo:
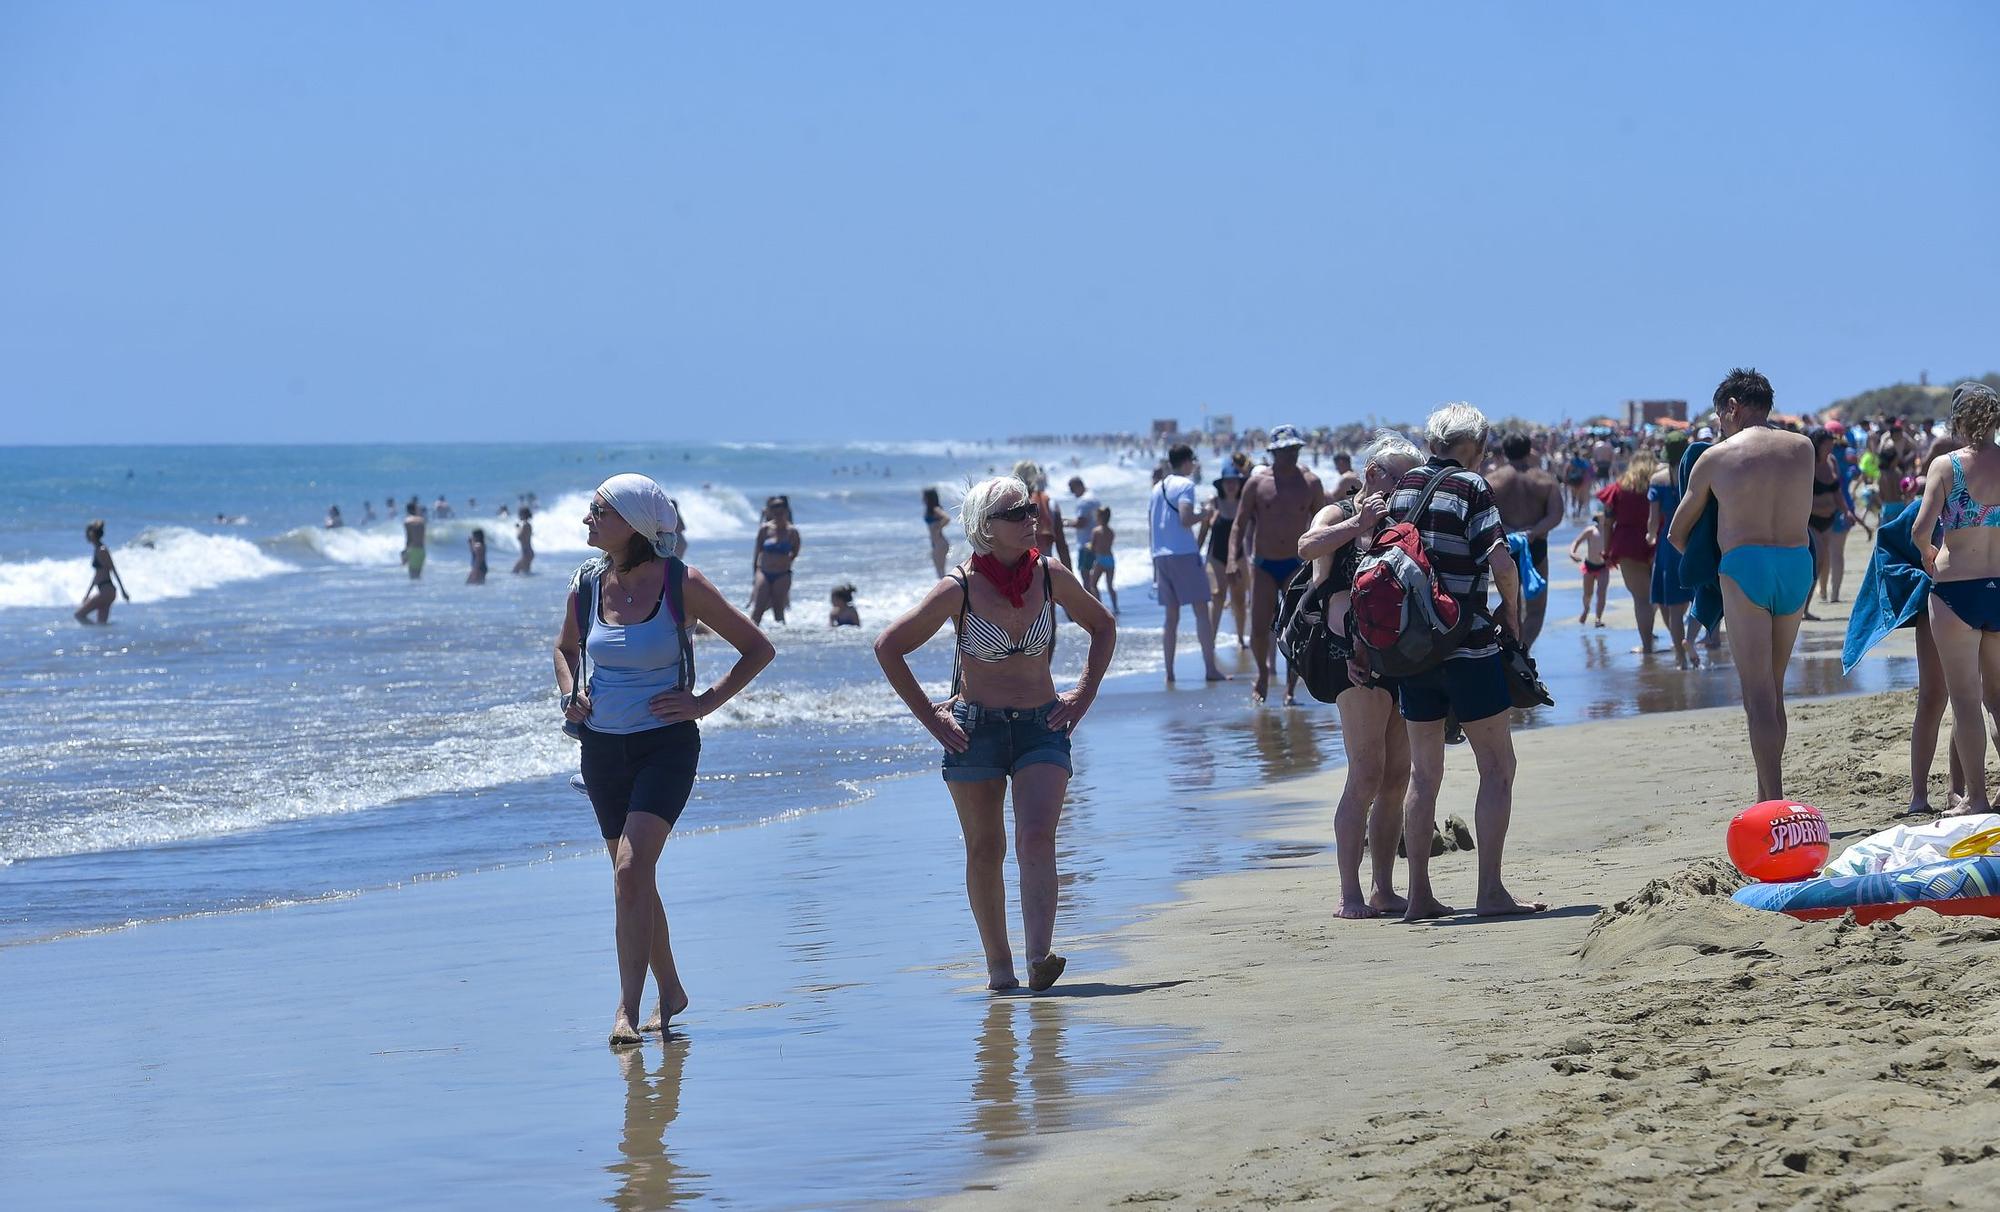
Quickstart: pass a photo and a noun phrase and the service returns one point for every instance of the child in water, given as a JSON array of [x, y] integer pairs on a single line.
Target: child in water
[[843, 613], [1101, 538], [1595, 572]]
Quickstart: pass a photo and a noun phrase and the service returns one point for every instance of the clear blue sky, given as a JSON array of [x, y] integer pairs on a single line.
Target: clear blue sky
[[351, 221]]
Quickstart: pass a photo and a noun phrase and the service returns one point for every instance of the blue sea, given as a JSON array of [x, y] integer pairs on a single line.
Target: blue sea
[[280, 714]]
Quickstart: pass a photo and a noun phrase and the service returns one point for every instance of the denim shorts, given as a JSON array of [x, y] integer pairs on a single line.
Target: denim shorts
[[1004, 740]]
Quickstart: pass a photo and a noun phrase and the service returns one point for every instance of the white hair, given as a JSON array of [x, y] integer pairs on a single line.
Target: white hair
[[975, 510], [1453, 424], [1387, 444]]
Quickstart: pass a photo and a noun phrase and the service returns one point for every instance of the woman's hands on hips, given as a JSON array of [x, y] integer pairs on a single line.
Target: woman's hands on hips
[[944, 726], [1069, 709], [679, 706]]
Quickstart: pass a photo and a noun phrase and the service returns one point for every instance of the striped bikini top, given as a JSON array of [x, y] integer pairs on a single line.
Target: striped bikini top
[[984, 640]]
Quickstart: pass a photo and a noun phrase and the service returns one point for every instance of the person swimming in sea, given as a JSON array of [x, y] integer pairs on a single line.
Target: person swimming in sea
[[935, 520], [333, 518], [775, 548], [103, 578], [842, 612], [414, 527], [476, 543]]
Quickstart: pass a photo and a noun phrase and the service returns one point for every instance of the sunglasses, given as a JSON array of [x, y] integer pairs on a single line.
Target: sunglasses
[[598, 509], [1016, 513]]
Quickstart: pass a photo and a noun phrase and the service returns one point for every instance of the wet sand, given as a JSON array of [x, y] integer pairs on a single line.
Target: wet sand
[[1647, 1044]]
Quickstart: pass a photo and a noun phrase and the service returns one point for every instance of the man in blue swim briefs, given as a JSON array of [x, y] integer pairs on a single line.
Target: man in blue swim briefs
[[1761, 481], [1279, 502]]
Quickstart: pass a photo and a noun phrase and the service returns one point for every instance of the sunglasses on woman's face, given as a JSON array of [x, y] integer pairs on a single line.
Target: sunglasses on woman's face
[[1013, 513], [598, 509]]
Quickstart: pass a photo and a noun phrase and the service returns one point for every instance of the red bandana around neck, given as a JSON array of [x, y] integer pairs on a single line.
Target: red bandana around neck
[[1013, 581]]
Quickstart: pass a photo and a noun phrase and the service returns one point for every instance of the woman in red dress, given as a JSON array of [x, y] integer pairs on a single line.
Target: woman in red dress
[[1627, 545]]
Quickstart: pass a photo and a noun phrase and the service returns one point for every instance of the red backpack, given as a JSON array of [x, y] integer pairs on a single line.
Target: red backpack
[[1400, 617]]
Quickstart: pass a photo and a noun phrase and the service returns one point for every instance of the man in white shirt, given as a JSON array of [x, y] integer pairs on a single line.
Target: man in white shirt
[[1178, 574], [1084, 522]]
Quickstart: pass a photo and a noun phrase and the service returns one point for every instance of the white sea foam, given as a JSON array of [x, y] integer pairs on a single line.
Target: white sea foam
[[713, 512], [161, 563]]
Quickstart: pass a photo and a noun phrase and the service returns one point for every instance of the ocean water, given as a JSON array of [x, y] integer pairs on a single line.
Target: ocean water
[[281, 714]]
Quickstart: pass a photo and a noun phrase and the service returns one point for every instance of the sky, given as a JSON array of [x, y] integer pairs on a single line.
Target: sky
[[487, 221]]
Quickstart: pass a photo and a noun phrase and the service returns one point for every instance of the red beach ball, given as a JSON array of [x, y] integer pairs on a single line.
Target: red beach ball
[[1778, 840]]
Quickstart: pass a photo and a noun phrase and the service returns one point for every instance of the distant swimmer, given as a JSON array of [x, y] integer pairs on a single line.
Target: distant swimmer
[[1760, 480], [333, 519], [476, 543], [841, 611], [1005, 720], [624, 665], [524, 536], [771, 556], [367, 512], [935, 520], [413, 539], [103, 577], [441, 509]]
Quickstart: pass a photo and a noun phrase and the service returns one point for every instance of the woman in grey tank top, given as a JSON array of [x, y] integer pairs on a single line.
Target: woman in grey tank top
[[624, 666]]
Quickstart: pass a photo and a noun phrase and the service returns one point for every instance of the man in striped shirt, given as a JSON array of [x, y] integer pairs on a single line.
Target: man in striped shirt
[[1467, 546]]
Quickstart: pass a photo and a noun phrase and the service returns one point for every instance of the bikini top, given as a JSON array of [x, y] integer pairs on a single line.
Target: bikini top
[[1822, 487], [777, 545], [984, 640], [1960, 510]]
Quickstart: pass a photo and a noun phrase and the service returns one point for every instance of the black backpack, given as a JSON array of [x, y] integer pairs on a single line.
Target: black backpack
[[586, 614], [1300, 630]]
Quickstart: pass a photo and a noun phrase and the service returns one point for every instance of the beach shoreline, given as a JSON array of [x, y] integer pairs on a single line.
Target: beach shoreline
[[1645, 1044]]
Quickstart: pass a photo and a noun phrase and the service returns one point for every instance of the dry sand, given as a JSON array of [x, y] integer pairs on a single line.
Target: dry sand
[[1649, 1044]]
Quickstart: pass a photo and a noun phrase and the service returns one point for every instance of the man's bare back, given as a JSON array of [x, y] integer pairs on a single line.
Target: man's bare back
[[1762, 479], [1527, 497]]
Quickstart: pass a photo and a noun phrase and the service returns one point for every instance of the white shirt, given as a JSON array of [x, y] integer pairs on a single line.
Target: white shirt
[[1163, 515], [1086, 508]]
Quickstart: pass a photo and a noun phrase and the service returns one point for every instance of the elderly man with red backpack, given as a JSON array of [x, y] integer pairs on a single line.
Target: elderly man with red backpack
[[1421, 618]]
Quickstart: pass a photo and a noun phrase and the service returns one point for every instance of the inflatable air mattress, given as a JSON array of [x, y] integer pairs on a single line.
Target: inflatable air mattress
[[1967, 886]]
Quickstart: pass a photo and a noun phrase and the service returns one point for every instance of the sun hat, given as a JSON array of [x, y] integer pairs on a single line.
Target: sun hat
[[1230, 471], [1284, 437]]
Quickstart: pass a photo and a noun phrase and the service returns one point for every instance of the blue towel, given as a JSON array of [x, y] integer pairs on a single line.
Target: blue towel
[[1701, 562], [1894, 590], [1533, 583]]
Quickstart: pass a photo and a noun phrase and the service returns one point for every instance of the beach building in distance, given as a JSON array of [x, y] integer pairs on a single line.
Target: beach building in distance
[[1652, 412]]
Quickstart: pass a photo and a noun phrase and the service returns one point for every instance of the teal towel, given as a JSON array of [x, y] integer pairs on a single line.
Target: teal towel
[[1701, 562]]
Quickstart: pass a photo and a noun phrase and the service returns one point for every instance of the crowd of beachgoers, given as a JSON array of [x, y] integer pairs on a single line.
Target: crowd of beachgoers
[[1402, 574]]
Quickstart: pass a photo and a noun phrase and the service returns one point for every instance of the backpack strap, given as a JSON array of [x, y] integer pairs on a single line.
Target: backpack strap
[[677, 602], [586, 614], [964, 604]]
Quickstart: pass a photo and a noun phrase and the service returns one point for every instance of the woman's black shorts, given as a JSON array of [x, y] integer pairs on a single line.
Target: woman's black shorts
[[650, 772]]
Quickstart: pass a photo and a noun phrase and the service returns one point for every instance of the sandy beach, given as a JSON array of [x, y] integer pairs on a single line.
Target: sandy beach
[[1647, 1044]]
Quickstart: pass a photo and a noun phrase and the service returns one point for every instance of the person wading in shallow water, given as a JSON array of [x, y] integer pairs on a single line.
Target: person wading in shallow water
[[630, 683], [103, 576], [1278, 504], [1005, 719]]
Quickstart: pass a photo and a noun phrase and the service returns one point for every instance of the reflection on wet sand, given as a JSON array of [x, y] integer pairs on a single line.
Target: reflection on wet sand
[[1012, 1101], [647, 1175]]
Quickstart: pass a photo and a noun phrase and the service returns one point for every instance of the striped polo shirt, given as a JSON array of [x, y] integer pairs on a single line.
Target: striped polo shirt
[[1461, 530]]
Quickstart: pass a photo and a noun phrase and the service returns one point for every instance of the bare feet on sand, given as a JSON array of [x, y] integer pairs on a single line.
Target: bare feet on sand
[[1216, 675], [1425, 908], [1044, 972], [1000, 980], [1356, 911], [1261, 688], [1507, 906], [623, 1034]]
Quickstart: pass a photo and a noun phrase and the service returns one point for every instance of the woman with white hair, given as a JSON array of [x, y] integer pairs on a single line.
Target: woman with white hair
[[1004, 719], [1374, 735], [625, 667]]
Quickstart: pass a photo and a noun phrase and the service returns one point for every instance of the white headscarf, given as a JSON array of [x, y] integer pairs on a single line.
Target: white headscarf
[[646, 509]]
